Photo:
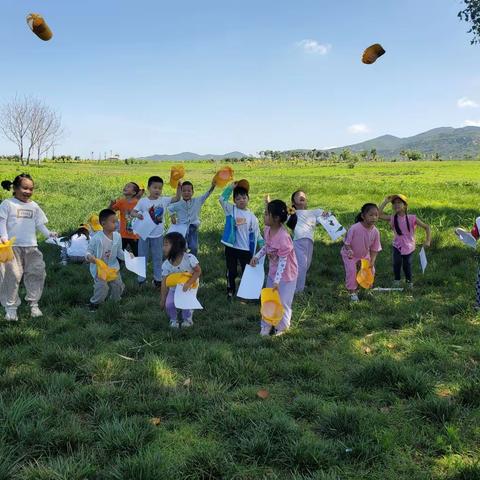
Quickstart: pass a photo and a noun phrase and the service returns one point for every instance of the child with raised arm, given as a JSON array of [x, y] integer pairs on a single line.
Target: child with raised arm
[[106, 246], [283, 268], [186, 212], [403, 225], [361, 242], [241, 233], [20, 218], [177, 261]]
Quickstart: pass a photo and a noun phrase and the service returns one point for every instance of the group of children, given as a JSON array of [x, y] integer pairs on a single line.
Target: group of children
[[176, 251]]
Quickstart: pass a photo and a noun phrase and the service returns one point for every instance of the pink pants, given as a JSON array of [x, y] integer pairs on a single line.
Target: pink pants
[[351, 270], [286, 291], [303, 251]]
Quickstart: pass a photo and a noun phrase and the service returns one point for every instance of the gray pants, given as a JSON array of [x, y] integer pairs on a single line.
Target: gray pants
[[27, 264], [101, 289]]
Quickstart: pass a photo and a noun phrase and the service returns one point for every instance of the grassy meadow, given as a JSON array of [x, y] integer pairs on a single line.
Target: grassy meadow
[[388, 389]]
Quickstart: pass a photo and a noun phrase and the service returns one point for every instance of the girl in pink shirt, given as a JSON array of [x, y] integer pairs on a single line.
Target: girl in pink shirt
[[283, 268], [403, 225], [362, 241]]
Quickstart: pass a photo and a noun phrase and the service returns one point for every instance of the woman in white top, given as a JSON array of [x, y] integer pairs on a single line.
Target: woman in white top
[[20, 218]]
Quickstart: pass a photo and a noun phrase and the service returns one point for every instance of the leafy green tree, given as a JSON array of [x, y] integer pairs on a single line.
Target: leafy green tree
[[471, 14]]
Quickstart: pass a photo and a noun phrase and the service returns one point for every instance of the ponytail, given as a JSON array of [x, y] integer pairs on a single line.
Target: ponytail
[[367, 207], [397, 226], [7, 184]]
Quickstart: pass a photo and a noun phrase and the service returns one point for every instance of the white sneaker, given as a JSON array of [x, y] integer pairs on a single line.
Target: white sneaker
[[174, 324], [354, 298], [265, 331], [187, 323], [35, 312], [279, 333], [11, 315]]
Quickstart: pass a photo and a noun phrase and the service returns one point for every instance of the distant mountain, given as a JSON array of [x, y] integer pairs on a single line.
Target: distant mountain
[[185, 156], [446, 141]]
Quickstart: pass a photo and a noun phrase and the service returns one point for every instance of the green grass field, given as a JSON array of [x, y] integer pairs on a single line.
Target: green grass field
[[387, 389]]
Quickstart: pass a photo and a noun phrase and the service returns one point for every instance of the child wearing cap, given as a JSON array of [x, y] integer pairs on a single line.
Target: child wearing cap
[[403, 225], [241, 233]]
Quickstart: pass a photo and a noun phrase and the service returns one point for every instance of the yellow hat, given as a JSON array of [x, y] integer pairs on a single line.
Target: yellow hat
[[402, 197], [6, 251], [372, 53], [39, 26], [104, 272], [176, 174], [223, 177], [271, 306], [175, 279], [95, 223], [365, 276]]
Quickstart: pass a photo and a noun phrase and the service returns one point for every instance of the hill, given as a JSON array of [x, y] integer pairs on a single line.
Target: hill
[[447, 141], [185, 156]]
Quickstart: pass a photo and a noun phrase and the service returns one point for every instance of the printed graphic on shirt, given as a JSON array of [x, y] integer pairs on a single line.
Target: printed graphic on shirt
[[21, 213], [156, 214], [241, 221], [128, 221]]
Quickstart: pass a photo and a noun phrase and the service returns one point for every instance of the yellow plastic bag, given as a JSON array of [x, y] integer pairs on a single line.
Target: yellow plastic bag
[[39, 26], [94, 223], [372, 54], [223, 177], [6, 251], [175, 279], [271, 306], [176, 174], [104, 272], [365, 276]]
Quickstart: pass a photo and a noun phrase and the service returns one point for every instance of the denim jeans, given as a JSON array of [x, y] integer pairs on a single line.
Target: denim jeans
[[192, 239]]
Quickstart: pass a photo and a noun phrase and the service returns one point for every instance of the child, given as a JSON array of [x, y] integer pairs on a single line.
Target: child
[[362, 241], [76, 246], [403, 225], [106, 246], [240, 235], [283, 268], [303, 223], [125, 206], [153, 205], [20, 217], [186, 212], [476, 234], [177, 261]]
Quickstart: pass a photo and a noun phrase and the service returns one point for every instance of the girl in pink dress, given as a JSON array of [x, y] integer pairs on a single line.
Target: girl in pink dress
[[362, 241], [283, 268], [403, 225]]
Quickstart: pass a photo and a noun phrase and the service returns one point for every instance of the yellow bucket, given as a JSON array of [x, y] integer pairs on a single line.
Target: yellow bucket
[[271, 306]]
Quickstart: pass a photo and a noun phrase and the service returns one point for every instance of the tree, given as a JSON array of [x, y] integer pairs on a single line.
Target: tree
[[471, 14]]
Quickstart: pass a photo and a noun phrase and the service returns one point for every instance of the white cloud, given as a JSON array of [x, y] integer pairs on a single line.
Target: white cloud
[[465, 102], [471, 123], [312, 46], [358, 128]]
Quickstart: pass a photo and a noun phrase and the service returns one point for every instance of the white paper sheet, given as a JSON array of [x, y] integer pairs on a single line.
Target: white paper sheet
[[252, 281], [332, 226], [466, 237], [143, 228], [392, 289], [56, 242], [423, 259], [181, 228], [186, 300], [136, 264]]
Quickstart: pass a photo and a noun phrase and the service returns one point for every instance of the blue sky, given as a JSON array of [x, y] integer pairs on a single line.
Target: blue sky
[[152, 76]]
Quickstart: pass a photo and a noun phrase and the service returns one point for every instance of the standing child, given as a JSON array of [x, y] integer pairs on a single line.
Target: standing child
[[153, 205], [476, 234], [106, 246], [76, 246], [303, 223], [283, 268], [186, 212], [362, 241], [177, 261], [404, 226], [241, 233], [20, 218]]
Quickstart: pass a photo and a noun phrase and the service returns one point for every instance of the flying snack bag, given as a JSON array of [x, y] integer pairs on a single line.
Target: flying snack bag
[[176, 174], [104, 272], [365, 276], [175, 279], [6, 251], [223, 177], [372, 54], [272, 308], [39, 26]]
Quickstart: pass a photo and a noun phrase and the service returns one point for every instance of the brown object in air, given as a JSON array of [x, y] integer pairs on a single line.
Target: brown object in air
[[372, 54], [39, 26]]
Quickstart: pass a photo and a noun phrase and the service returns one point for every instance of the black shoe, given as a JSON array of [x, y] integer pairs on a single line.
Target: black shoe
[[156, 283], [230, 296], [92, 307]]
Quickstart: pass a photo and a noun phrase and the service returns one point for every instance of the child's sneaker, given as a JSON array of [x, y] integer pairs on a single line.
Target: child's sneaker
[[35, 312], [279, 333], [354, 298], [187, 323], [174, 324], [11, 315], [265, 330]]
